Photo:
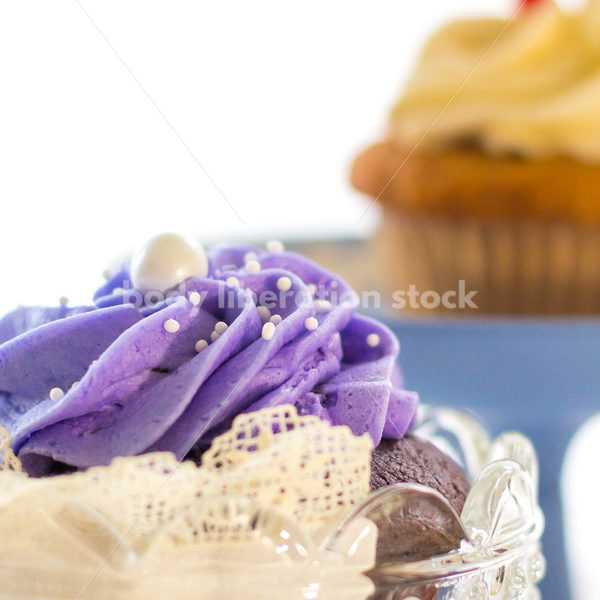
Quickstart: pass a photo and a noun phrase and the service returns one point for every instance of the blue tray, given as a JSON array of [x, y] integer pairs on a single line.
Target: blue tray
[[541, 377]]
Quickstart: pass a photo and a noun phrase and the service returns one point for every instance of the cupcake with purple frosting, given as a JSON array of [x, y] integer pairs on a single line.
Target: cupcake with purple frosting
[[180, 342], [255, 365]]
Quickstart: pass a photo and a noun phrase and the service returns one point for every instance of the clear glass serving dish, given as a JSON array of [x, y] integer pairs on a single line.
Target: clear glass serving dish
[[501, 523], [64, 539]]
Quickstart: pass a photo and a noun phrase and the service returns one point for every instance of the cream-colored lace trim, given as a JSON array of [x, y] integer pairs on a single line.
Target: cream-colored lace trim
[[300, 464], [307, 469], [8, 461], [246, 524]]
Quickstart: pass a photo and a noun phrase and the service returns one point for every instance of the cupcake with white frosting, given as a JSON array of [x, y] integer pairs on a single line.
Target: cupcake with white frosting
[[490, 167]]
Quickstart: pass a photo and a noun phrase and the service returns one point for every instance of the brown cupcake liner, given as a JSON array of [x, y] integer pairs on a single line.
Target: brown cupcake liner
[[520, 268]]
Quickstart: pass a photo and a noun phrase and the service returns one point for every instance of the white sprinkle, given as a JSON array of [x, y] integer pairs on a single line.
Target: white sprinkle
[[312, 288], [253, 266], [233, 281], [200, 345], [214, 336], [56, 394], [276, 319], [268, 331], [63, 301], [264, 313], [118, 290], [311, 323], [221, 327], [373, 340], [275, 246], [250, 256], [171, 325], [107, 274], [195, 298], [322, 305], [74, 384], [284, 284]]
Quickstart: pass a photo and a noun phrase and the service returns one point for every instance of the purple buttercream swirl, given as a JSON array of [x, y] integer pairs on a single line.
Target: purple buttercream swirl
[[141, 388]]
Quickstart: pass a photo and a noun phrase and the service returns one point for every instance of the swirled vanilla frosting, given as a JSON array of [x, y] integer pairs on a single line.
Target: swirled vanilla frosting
[[129, 374], [530, 86]]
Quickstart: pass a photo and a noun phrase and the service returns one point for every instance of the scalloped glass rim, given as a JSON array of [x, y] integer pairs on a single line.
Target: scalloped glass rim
[[501, 520], [467, 559]]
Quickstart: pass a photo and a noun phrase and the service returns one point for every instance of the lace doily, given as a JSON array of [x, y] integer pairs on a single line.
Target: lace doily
[[300, 464], [150, 527], [8, 461], [308, 469]]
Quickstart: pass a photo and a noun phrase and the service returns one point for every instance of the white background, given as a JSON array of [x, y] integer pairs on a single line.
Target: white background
[[273, 98]]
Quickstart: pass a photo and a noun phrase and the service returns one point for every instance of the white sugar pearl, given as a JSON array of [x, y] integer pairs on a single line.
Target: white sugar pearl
[[373, 340], [166, 260], [312, 288], [200, 345], [63, 301], [56, 394], [233, 281], [275, 246], [107, 274], [214, 336], [250, 256], [171, 325], [322, 305], [311, 323], [284, 284], [276, 319], [195, 298], [264, 313], [74, 384], [268, 331], [253, 266], [220, 327]]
